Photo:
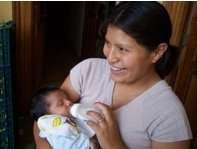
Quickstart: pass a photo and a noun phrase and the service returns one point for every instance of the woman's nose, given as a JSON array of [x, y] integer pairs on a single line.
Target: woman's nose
[[112, 55]]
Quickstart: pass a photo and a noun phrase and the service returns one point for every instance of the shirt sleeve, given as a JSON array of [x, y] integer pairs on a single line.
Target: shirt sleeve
[[76, 77], [171, 126]]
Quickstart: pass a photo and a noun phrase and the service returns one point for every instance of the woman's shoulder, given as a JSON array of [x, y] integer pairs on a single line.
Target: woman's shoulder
[[90, 70], [161, 95], [165, 102], [92, 65], [164, 114], [94, 61]]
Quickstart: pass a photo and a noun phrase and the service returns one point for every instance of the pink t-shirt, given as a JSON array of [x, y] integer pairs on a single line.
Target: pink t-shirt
[[157, 114]]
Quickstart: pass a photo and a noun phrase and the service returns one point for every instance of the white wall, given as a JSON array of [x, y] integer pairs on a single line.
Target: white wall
[[5, 11]]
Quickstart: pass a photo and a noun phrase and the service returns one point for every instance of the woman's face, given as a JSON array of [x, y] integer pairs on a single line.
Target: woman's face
[[129, 61], [58, 103]]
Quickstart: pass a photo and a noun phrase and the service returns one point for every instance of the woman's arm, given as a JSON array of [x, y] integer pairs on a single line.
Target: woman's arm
[[71, 93], [40, 142], [173, 145], [108, 134]]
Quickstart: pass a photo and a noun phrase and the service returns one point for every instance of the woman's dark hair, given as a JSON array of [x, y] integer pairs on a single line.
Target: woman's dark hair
[[39, 104], [149, 24]]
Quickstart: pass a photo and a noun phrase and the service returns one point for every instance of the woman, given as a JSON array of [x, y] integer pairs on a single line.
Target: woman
[[139, 109]]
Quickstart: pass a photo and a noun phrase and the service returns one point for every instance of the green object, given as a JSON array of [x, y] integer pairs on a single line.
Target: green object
[[6, 110]]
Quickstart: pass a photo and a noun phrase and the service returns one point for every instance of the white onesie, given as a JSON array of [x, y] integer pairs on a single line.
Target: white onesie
[[62, 133]]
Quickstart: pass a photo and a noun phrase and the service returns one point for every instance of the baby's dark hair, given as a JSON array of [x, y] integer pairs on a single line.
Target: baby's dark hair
[[39, 104]]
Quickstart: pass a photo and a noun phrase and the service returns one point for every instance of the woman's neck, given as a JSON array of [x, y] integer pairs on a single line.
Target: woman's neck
[[142, 83], [126, 92]]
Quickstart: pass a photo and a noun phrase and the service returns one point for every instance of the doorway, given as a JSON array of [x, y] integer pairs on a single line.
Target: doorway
[[62, 26]]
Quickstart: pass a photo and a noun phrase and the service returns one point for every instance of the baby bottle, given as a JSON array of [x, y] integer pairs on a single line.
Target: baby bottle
[[79, 111]]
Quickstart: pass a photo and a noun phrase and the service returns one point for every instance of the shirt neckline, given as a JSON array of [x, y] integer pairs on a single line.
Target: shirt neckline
[[138, 98]]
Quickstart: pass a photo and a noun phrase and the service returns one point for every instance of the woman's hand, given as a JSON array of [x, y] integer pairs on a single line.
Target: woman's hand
[[106, 128]]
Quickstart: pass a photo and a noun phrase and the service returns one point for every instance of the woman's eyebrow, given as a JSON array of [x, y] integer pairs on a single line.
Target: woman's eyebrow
[[124, 45]]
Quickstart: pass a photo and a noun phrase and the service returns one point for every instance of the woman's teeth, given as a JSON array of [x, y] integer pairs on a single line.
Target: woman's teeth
[[116, 68]]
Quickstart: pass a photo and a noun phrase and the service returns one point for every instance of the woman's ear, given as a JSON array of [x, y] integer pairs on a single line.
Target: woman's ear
[[159, 51]]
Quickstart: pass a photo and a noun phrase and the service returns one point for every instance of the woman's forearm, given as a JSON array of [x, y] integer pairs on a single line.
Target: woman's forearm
[[40, 142]]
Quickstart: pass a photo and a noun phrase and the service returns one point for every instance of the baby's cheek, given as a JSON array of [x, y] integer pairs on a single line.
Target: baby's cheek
[[66, 112]]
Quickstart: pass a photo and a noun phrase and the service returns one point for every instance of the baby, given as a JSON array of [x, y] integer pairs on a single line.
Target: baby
[[51, 110]]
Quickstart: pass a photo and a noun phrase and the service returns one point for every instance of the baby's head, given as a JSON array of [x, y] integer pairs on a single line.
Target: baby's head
[[50, 100]]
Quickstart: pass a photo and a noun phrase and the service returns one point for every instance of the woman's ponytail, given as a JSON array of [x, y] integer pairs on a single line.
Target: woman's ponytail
[[167, 61]]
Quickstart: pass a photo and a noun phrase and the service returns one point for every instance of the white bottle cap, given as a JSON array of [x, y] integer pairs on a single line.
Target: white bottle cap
[[80, 111]]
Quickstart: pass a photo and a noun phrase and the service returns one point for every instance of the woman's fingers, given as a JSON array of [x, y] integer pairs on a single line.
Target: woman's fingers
[[96, 117], [105, 126], [105, 110], [98, 121], [103, 120]]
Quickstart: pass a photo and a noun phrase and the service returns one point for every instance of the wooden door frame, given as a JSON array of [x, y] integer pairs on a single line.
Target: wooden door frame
[[179, 12], [188, 57], [28, 52]]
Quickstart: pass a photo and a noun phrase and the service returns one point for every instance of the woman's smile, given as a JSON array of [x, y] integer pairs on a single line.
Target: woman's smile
[[117, 70]]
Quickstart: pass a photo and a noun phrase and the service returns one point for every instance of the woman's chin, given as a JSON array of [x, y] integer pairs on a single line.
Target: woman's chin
[[116, 78]]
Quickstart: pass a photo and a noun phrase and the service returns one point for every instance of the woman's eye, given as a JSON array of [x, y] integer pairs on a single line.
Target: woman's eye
[[123, 49], [107, 43]]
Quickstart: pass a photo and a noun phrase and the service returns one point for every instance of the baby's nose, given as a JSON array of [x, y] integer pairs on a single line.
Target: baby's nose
[[68, 102]]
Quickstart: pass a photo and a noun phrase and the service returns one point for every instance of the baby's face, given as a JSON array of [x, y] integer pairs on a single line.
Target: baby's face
[[58, 103]]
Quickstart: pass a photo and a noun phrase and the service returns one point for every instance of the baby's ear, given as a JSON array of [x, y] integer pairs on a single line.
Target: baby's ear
[[159, 51]]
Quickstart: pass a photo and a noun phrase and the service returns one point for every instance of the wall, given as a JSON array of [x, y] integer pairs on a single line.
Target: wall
[[5, 11]]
